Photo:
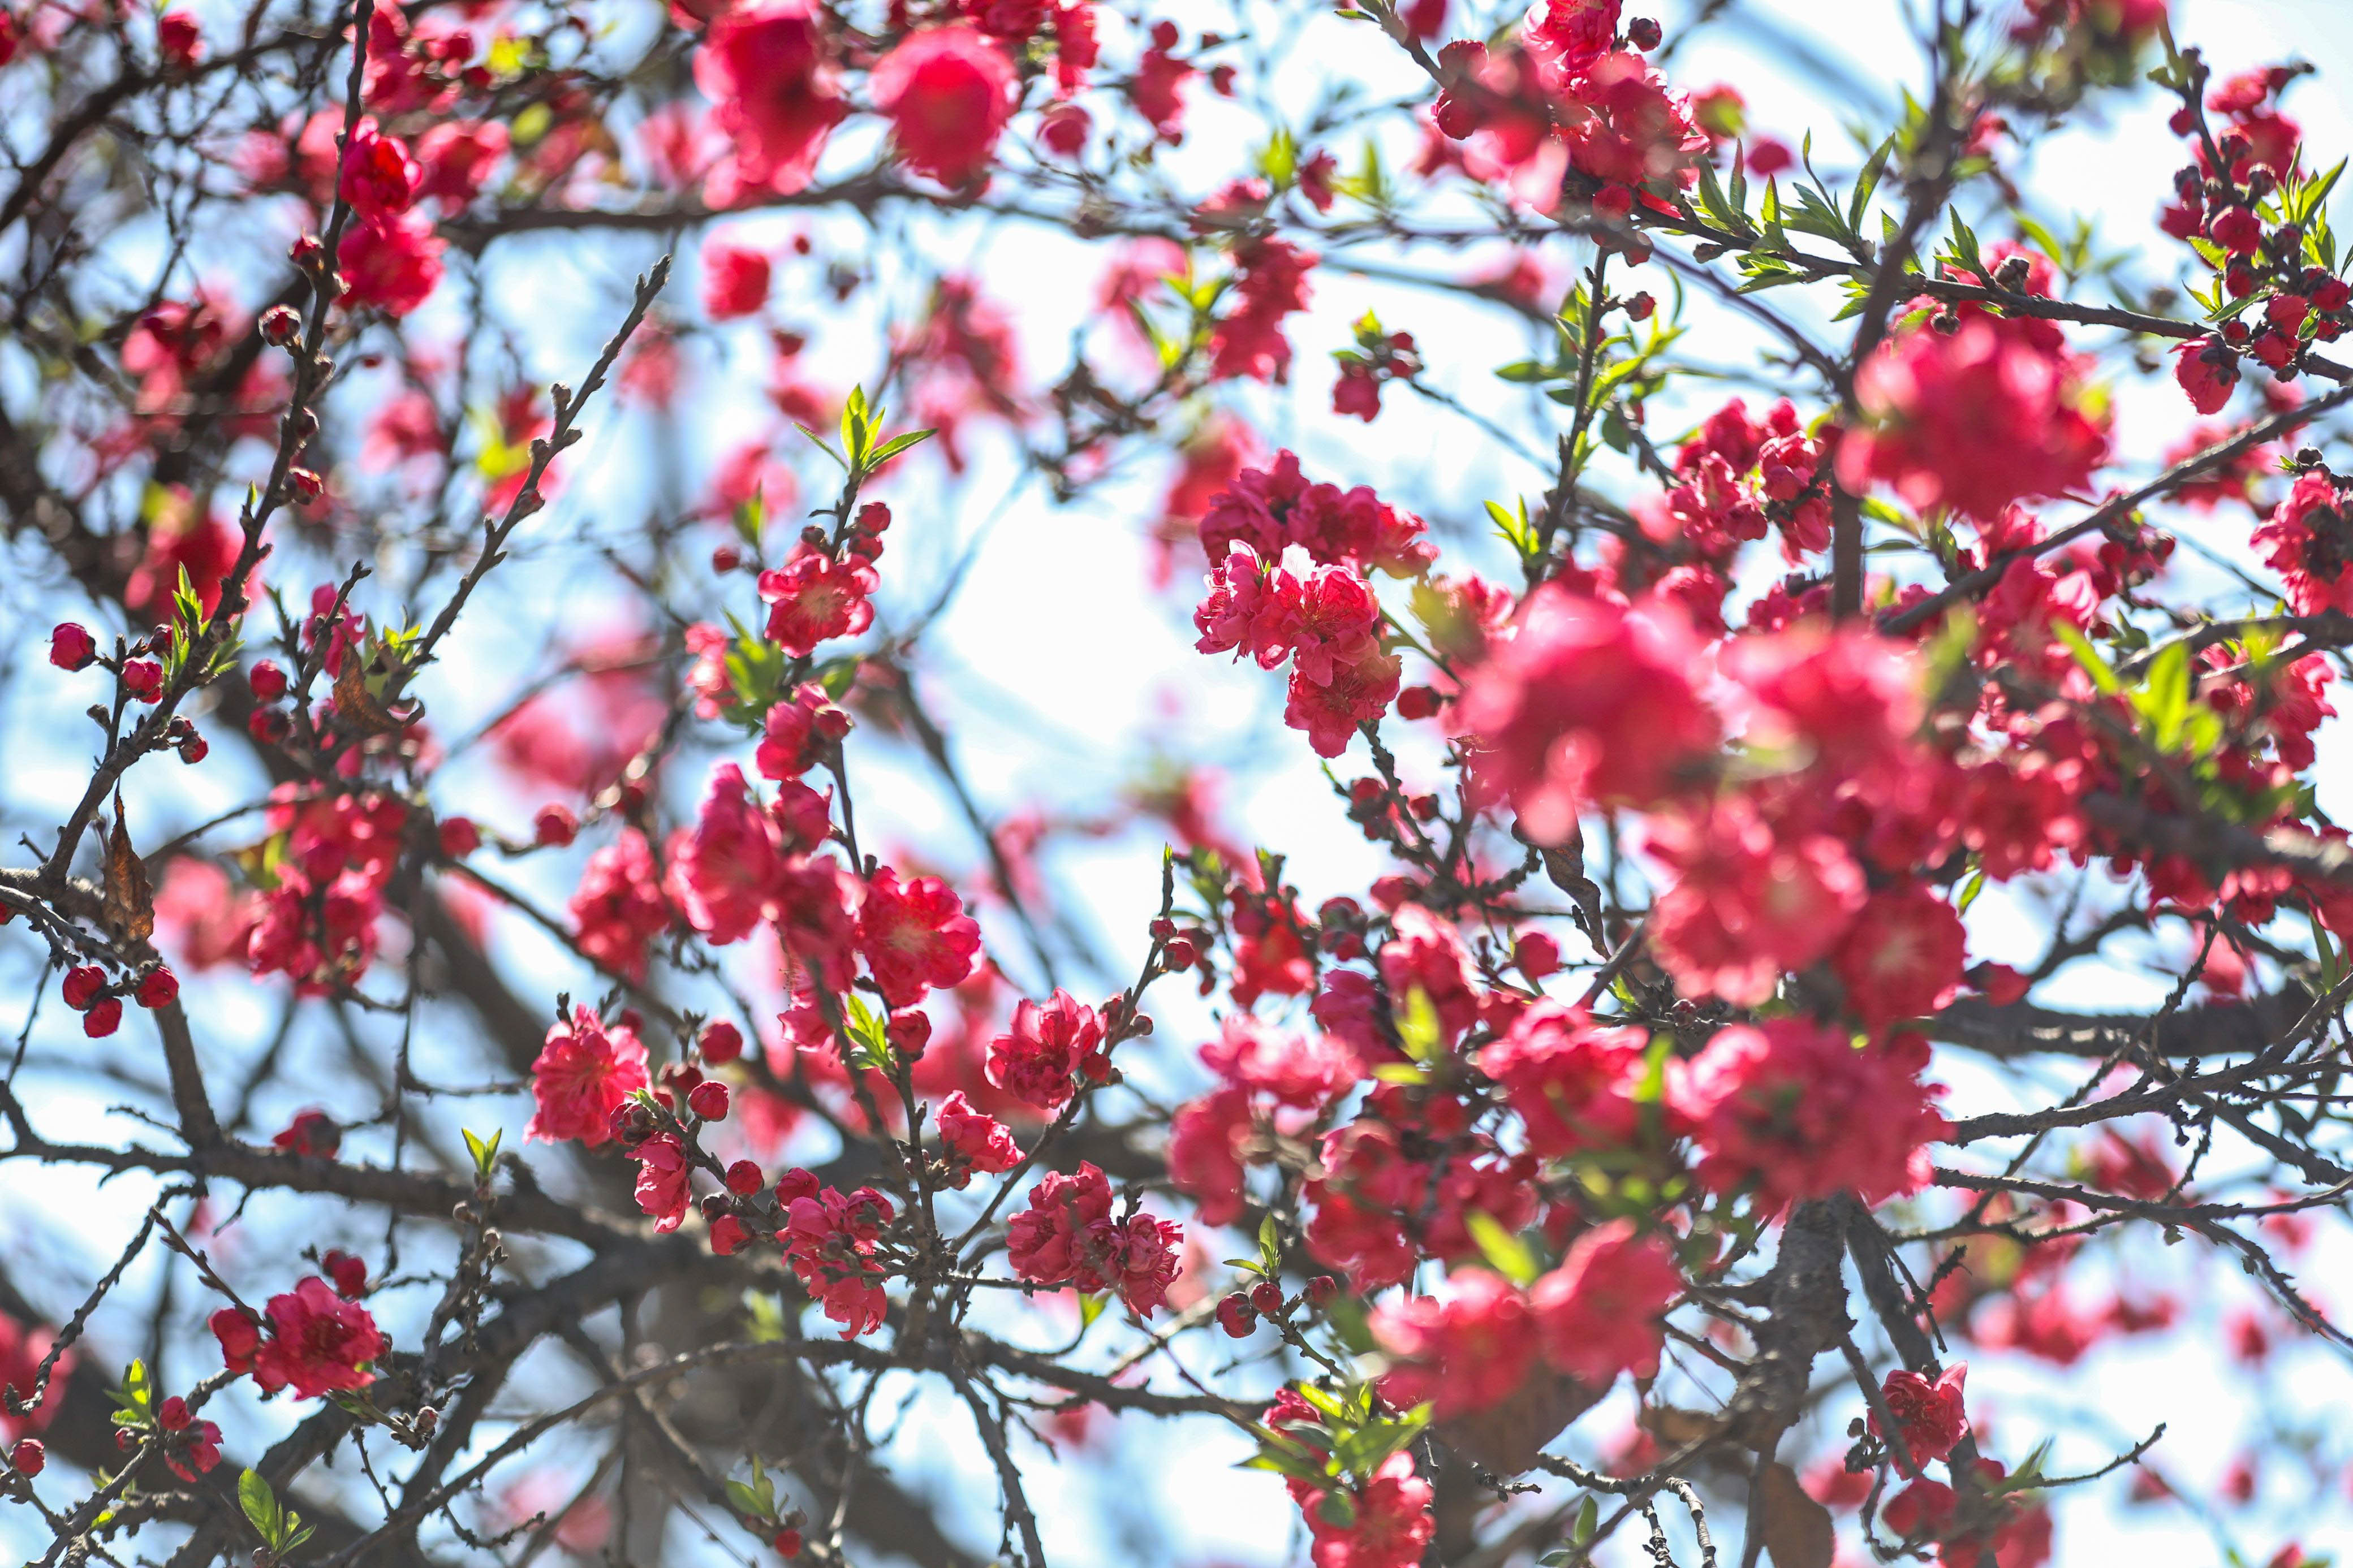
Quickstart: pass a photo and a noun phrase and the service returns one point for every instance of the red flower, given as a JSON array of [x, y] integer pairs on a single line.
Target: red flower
[[814, 599], [71, 646], [1749, 904], [1904, 956], [2207, 370], [1359, 693], [662, 1177], [829, 1240], [1585, 703], [1465, 1353], [379, 179], [948, 92], [914, 937], [767, 67], [2308, 542], [240, 1337], [618, 906], [1930, 1413], [1797, 1108], [394, 266], [1574, 1086], [1034, 1061], [586, 1071], [1598, 1314], [734, 280], [1990, 414], [21, 1350], [313, 1136], [799, 734], [1388, 1526], [979, 1140], [724, 871], [317, 1342], [1043, 1241]]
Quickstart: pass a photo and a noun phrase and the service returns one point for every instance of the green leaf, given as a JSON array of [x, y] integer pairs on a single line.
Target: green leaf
[[1270, 1247], [896, 444], [1504, 1252], [1867, 182], [2102, 677], [486, 1154], [745, 1500], [870, 1041], [1418, 1030], [1091, 1307], [1971, 887], [1588, 1521], [262, 1510]]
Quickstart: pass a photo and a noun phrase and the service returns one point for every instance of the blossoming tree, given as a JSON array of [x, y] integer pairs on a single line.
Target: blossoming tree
[[550, 1037]]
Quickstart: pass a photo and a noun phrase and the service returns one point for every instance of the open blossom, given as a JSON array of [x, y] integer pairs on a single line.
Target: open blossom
[[1598, 1314], [1359, 692], [1798, 1110], [2308, 540], [1990, 415], [1067, 1237], [1034, 1061], [829, 1238], [316, 1341], [915, 936], [1043, 1241], [734, 280], [1464, 1353], [1931, 1414], [768, 68], [380, 179], [1390, 1523], [1749, 904], [725, 870], [618, 906], [1206, 1143], [1904, 956], [977, 1139], [1585, 703], [662, 1177], [586, 1071], [815, 598], [799, 732], [1273, 508], [1305, 1071], [394, 264], [1572, 1085], [22, 1348], [948, 91]]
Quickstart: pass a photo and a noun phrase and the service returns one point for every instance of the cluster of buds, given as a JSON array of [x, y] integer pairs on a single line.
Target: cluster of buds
[[1380, 356], [1239, 1313], [2219, 201], [140, 668], [88, 991], [1381, 813]]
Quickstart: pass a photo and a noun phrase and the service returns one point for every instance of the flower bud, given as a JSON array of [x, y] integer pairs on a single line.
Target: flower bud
[[709, 1099], [82, 984], [159, 988], [71, 646], [1267, 1297], [721, 1042], [28, 1456], [555, 826], [281, 325], [103, 1019]]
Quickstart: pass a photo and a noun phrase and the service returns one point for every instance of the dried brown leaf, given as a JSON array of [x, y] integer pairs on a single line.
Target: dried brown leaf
[[126, 903], [1798, 1529]]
